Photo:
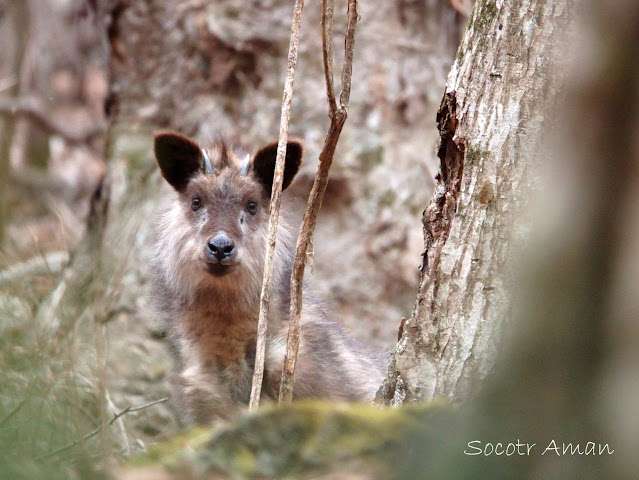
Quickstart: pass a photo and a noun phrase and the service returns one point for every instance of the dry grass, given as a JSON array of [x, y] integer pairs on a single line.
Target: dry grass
[[51, 391]]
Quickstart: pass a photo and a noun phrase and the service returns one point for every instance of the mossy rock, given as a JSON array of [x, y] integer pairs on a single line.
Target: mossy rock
[[302, 440]]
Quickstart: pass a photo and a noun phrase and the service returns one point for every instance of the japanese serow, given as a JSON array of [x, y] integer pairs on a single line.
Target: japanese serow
[[208, 277]]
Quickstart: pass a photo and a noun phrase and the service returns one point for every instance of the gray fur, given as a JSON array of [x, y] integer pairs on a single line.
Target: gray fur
[[211, 320]]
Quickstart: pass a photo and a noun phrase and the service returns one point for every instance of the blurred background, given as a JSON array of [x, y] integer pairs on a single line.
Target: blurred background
[[84, 83]]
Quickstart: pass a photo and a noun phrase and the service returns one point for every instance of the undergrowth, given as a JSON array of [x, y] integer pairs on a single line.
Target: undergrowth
[[51, 393]]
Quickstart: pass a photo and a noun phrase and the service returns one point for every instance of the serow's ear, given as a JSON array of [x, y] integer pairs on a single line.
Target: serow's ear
[[179, 158], [264, 164]]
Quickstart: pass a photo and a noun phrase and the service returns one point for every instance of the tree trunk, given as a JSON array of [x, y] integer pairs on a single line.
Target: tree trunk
[[498, 94], [19, 15]]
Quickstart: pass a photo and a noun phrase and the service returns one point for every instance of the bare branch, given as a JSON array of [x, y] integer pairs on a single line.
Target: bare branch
[[93, 433], [274, 213], [327, 50], [349, 45], [112, 408], [31, 108], [305, 239]]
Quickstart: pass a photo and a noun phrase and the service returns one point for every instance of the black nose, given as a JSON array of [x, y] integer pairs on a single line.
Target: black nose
[[220, 247]]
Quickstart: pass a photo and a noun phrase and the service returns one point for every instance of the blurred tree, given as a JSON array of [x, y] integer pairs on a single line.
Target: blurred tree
[[17, 16]]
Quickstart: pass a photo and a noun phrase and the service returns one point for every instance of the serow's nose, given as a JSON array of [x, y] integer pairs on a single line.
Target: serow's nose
[[220, 247]]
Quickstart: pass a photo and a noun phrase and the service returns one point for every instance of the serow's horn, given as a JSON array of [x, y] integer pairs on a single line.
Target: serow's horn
[[208, 167]]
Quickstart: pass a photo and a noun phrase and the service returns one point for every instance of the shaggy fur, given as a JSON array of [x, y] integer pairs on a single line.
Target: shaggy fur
[[211, 311]]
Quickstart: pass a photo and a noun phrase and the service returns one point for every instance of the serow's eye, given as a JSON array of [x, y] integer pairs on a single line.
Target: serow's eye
[[251, 207], [196, 203]]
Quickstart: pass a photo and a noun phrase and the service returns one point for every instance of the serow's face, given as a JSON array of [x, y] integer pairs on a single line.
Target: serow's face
[[224, 197]]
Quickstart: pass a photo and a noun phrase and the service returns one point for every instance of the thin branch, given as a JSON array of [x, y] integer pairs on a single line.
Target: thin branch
[[30, 108], [123, 434], [327, 50], [93, 433], [274, 213], [349, 45], [305, 239]]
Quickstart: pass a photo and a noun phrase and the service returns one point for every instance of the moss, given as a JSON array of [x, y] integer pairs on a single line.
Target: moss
[[480, 20], [169, 453], [474, 155], [486, 14], [298, 439], [460, 53]]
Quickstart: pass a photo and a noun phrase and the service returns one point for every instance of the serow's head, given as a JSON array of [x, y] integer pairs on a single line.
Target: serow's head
[[224, 196]]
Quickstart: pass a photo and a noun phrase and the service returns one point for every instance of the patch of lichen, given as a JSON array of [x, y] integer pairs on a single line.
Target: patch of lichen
[[474, 155], [480, 20], [487, 11], [298, 439]]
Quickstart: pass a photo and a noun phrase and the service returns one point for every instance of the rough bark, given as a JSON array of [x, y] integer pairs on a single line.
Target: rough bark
[[502, 84]]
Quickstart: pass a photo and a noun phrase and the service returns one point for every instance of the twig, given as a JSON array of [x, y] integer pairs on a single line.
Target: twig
[[123, 434], [93, 433], [327, 51], [347, 67], [338, 116], [274, 212], [30, 108]]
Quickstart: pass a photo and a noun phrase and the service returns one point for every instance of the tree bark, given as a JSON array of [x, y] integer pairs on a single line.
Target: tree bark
[[499, 91]]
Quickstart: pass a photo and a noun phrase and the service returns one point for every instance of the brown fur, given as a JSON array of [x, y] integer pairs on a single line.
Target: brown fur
[[211, 319]]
